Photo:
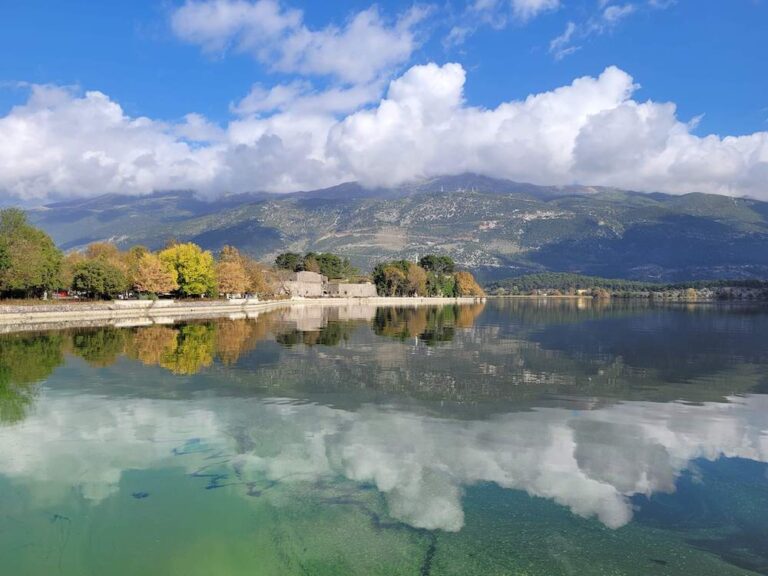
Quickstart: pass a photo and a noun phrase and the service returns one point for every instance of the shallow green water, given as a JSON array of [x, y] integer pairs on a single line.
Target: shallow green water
[[518, 437]]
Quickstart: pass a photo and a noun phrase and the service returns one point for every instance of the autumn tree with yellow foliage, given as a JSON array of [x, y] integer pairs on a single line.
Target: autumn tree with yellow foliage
[[417, 280], [466, 285], [238, 273], [196, 273], [155, 276]]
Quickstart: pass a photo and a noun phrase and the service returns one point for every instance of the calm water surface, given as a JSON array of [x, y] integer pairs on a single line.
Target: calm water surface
[[514, 438]]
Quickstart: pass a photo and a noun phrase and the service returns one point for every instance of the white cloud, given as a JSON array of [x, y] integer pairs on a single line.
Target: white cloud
[[527, 9], [561, 45], [365, 47], [497, 14], [300, 96], [62, 143], [591, 131], [614, 13], [607, 18]]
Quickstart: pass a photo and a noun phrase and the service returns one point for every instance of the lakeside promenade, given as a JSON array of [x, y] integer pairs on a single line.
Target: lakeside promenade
[[126, 313]]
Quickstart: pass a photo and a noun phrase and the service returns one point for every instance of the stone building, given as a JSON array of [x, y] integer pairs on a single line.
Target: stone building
[[305, 284], [313, 285], [347, 290]]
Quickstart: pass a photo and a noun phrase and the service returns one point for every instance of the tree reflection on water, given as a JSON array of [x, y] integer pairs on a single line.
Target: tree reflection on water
[[185, 349]]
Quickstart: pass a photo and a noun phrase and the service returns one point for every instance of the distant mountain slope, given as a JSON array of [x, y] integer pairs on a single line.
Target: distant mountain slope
[[497, 228]]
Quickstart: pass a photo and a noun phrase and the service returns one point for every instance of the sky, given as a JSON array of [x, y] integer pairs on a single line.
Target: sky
[[229, 96]]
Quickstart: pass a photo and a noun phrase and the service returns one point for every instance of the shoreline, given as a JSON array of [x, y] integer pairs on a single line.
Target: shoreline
[[661, 300], [126, 313]]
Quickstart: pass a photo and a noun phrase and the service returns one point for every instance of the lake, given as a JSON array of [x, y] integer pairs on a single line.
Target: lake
[[515, 437]]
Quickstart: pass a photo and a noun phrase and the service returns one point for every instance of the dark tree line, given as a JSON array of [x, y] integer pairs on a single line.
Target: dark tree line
[[568, 283], [432, 276], [325, 263]]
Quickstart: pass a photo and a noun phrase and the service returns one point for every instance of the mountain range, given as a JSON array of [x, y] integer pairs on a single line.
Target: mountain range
[[497, 228]]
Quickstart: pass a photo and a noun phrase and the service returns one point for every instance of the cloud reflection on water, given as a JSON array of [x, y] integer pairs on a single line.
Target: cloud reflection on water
[[592, 461]]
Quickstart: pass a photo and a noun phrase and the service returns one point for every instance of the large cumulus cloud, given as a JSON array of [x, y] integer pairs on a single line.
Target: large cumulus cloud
[[61, 142]]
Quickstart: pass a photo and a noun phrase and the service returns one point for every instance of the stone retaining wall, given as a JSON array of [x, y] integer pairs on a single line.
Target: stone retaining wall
[[164, 311]]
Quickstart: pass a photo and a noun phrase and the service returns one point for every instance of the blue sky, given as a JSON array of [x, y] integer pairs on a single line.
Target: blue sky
[[164, 60]]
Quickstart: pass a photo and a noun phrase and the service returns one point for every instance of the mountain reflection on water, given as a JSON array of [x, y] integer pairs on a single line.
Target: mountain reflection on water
[[619, 413]]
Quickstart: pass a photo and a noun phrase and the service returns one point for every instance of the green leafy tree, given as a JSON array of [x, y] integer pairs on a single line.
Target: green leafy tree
[[98, 279], [5, 258], [438, 264], [196, 274], [441, 285], [30, 263], [289, 261], [334, 266], [390, 278]]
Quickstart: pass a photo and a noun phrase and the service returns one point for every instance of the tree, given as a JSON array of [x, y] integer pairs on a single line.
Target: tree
[[466, 285], [310, 264], [154, 276], [194, 267], [334, 266], [437, 264], [30, 263], [289, 261], [416, 280], [600, 293], [390, 277], [131, 258], [232, 277], [394, 280], [12, 221], [103, 251], [441, 285], [98, 279], [71, 261], [5, 259], [261, 281], [230, 254]]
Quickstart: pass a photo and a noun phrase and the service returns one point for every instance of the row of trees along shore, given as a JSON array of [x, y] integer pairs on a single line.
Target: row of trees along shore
[[31, 266], [432, 276], [562, 283]]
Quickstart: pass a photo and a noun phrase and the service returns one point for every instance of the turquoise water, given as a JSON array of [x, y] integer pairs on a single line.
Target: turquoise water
[[515, 437]]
